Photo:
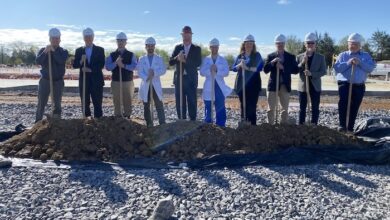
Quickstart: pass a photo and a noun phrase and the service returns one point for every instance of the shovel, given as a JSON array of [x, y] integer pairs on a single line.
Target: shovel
[[181, 90], [308, 98], [350, 96], [244, 122], [84, 89], [212, 95], [151, 100], [120, 92], [277, 95], [51, 84]]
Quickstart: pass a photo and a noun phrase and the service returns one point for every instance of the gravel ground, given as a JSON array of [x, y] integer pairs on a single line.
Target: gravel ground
[[13, 114], [295, 192]]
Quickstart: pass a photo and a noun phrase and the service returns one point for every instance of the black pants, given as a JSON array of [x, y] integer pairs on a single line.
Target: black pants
[[251, 105], [189, 98], [315, 105], [94, 91], [159, 108], [356, 99]]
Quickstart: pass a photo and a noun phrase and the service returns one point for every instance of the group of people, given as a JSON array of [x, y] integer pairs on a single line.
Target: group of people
[[352, 68]]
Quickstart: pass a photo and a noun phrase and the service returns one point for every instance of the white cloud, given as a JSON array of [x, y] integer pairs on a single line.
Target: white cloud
[[146, 12], [235, 39], [283, 2], [64, 26], [72, 38]]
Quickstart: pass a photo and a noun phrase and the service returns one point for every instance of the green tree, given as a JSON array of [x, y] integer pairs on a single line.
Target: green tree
[[293, 44], [342, 45], [164, 54], [230, 59], [326, 47], [23, 54], [205, 51], [380, 42]]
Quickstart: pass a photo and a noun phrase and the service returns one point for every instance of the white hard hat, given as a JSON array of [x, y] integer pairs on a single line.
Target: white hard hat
[[249, 37], [54, 32], [121, 36], [311, 37], [150, 40], [355, 37], [88, 32], [280, 38], [214, 42]]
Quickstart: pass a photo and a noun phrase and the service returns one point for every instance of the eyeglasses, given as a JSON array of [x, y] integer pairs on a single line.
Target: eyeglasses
[[310, 43]]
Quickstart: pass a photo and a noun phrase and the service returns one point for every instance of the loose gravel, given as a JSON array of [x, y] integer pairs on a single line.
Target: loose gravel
[[290, 192]]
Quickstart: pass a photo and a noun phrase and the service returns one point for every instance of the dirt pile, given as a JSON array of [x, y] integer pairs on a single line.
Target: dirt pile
[[209, 139], [113, 139], [106, 139]]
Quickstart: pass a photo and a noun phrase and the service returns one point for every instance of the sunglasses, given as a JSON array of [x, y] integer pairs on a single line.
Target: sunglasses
[[310, 43]]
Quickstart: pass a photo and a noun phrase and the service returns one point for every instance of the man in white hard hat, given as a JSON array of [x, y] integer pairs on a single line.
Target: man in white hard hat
[[58, 60], [362, 64], [313, 65], [94, 59], [215, 67], [125, 60], [150, 68], [287, 65], [190, 56]]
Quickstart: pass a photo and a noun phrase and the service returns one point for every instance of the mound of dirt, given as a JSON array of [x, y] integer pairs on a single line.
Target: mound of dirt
[[107, 139], [114, 139], [209, 140]]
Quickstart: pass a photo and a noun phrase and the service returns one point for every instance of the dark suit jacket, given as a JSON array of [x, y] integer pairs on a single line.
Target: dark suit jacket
[[290, 67], [193, 61], [317, 69], [96, 64]]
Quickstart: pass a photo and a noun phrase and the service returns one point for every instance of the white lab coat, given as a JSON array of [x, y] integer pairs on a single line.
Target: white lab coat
[[143, 67], [222, 71]]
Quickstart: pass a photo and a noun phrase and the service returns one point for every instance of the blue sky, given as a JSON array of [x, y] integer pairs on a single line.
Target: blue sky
[[229, 21]]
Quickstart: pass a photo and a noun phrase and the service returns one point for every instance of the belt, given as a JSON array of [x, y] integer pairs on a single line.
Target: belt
[[355, 84]]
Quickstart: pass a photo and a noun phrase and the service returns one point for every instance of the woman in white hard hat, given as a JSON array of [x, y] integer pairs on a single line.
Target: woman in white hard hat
[[250, 63], [215, 67]]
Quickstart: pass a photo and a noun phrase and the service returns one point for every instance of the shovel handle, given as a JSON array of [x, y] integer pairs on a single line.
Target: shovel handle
[[181, 89], [308, 97], [51, 83], [84, 89], [277, 95], [120, 92], [350, 96]]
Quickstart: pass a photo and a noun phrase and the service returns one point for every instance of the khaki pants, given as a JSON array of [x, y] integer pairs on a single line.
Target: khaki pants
[[127, 96], [284, 99]]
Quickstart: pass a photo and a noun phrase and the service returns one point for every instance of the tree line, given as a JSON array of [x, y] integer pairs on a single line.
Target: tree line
[[378, 45]]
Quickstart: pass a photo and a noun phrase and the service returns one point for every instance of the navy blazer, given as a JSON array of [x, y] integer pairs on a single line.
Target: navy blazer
[[96, 64], [290, 67], [193, 61]]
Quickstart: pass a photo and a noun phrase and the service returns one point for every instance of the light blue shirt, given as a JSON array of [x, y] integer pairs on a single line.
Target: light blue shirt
[[110, 64], [88, 53], [343, 69], [150, 58]]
